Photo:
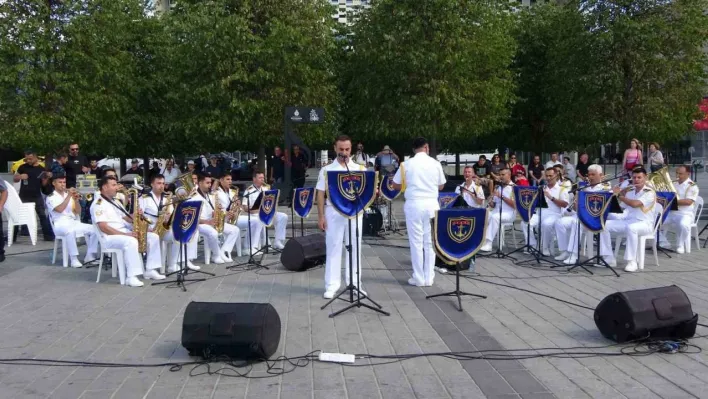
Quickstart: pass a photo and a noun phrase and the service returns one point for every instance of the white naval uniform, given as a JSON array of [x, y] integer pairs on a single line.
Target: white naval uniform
[[680, 221], [508, 214], [336, 234], [567, 229], [150, 204], [211, 237], [469, 198], [242, 221], [635, 221], [68, 225], [103, 211], [422, 175], [280, 220], [550, 216]]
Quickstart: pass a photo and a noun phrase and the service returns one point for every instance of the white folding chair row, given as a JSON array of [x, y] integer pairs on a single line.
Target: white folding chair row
[[697, 211], [19, 214]]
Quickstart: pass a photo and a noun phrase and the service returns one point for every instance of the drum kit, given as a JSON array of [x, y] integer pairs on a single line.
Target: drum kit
[[378, 218]]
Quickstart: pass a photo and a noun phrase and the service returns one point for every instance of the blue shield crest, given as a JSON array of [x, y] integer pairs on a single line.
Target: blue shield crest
[[446, 200], [593, 208], [665, 198], [343, 188], [387, 190], [303, 199], [526, 200], [269, 204], [459, 233], [186, 220]]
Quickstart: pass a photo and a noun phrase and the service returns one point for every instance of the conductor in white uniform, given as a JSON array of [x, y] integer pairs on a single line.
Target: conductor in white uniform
[[335, 225], [424, 177], [115, 224]]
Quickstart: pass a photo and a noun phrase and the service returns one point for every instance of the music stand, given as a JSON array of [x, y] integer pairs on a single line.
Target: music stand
[[598, 259], [355, 302], [457, 292], [499, 254], [673, 206], [537, 253], [183, 237], [251, 259]]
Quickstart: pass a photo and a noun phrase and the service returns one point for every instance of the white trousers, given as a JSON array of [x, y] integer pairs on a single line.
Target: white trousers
[[68, 230], [547, 229], [567, 236], [632, 229], [418, 214], [174, 254], [256, 230], [154, 254], [680, 223], [191, 247], [281, 224], [336, 237], [494, 223], [129, 246], [211, 238]]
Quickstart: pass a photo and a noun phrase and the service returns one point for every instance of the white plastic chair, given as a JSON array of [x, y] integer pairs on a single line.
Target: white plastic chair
[[502, 230], [117, 262], [697, 209], [19, 214], [658, 214], [57, 239]]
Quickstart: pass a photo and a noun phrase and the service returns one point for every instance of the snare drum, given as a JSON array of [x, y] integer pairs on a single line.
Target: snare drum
[[373, 221]]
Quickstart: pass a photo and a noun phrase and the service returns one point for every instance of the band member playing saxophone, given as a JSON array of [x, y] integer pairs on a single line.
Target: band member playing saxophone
[[229, 197], [208, 224]]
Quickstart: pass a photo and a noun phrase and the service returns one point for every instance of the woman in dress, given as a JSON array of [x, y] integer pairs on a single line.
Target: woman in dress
[[632, 156]]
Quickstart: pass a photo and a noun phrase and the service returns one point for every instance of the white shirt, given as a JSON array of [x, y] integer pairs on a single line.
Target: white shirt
[[643, 213], [506, 192], [104, 211], [361, 159], [170, 175], [334, 166], [559, 193], [209, 202], [570, 171], [423, 175], [54, 200], [149, 204], [551, 164], [687, 190], [249, 199], [469, 198]]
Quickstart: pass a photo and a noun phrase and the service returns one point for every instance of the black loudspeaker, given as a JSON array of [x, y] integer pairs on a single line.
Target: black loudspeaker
[[302, 253], [663, 312], [247, 331]]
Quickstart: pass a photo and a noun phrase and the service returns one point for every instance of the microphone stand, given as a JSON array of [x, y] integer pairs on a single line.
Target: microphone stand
[[499, 254], [251, 258], [354, 302]]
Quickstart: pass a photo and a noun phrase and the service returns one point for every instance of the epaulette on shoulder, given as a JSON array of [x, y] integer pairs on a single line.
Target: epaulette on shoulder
[[693, 183], [145, 196], [100, 200], [646, 189]]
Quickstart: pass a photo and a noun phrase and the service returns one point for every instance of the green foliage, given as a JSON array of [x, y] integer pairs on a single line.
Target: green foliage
[[433, 68]]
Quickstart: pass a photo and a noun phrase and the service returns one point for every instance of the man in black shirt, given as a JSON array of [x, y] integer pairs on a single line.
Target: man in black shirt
[[277, 166], [582, 167], [31, 190], [77, 165], [536, 171], [213, 170], [299, 167], [95, 170]]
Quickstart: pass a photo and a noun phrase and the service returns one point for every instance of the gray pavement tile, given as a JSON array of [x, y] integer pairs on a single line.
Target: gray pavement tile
[[522, 381], [544, 395], [106, 393], [491, 383], [330, 394]]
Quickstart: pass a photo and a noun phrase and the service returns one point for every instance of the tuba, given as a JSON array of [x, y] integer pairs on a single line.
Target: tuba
[[219, 215], [140, 222], [661, 180], [235, 207], [163, 219], [184, 186]]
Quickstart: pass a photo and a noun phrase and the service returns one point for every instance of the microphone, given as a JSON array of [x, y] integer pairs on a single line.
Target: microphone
[[342, 156]]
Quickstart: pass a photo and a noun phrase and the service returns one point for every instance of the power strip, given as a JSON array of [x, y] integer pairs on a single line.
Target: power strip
[[336, 357]]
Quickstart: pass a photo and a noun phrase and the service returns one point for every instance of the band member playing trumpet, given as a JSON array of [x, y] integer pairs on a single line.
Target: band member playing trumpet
[[680, 221], [229, 197], [503, 196], [638, 217], [281, 219], [115, 224], [207, 223], [557, 199], [472, 192], [64, 210], [567, 227]]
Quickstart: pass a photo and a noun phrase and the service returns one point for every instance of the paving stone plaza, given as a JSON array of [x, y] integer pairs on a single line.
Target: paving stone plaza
[[50, 312]]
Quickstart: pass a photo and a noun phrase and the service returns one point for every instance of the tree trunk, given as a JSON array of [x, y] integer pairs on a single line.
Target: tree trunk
[[146, 171], [262, 159], [457, 164], [121, 166]]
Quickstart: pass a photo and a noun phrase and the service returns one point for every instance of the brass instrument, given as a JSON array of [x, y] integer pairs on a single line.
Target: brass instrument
[[219, 216], [661, 180], [184, 186], [235, 207], [164, 218], [140, 222]]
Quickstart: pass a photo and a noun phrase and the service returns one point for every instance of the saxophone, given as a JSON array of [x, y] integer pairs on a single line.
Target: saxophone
[[219, 215], [235, 207], [163, 221], [140, 222]]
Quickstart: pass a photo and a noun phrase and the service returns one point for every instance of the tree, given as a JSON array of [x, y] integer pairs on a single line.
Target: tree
[[433, 68], [68, 73], [235, 65]]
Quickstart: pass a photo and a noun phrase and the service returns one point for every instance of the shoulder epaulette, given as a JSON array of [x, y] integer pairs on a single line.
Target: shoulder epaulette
[[145, 196], [99, 201], [693, 183], [647, 189]]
